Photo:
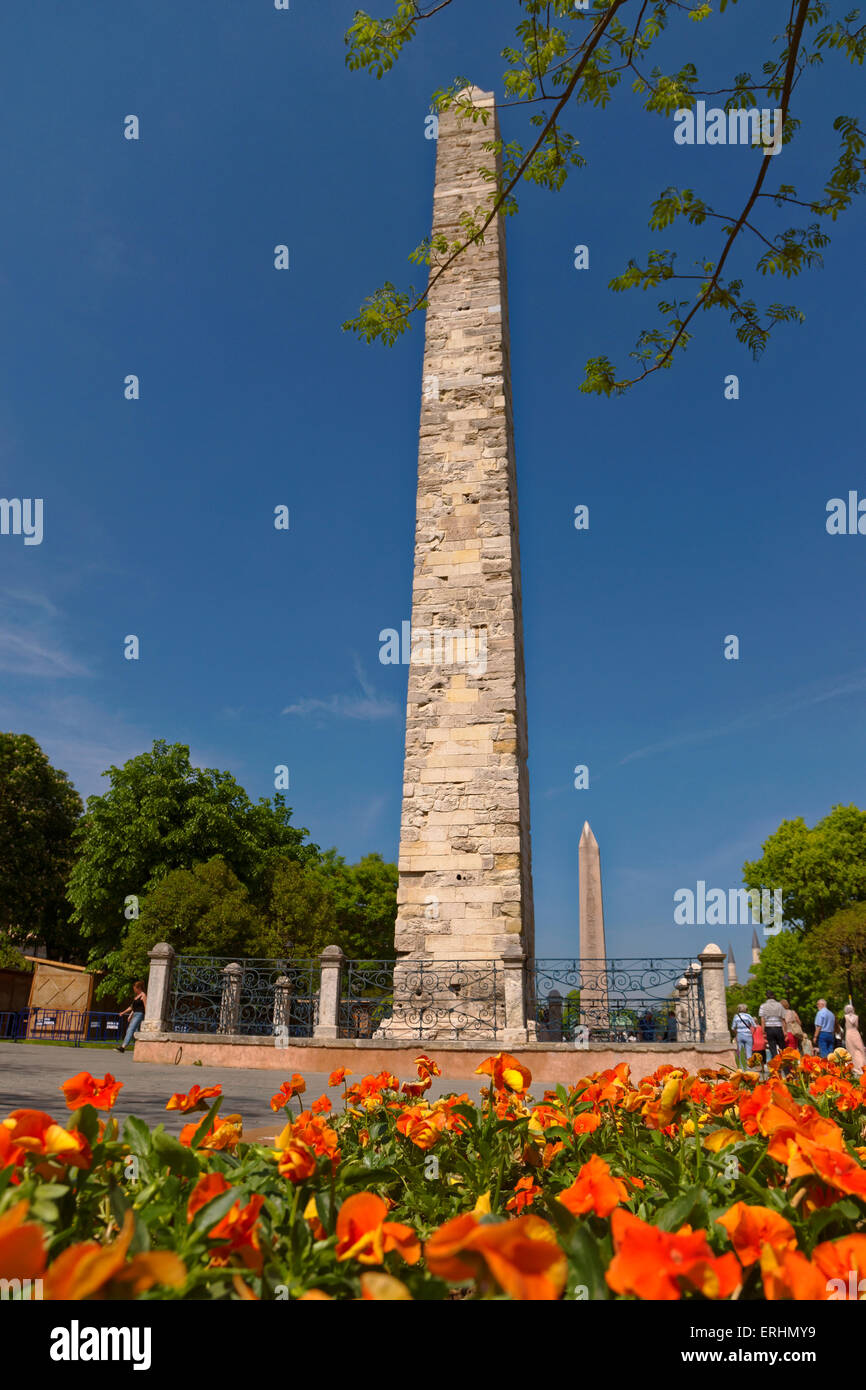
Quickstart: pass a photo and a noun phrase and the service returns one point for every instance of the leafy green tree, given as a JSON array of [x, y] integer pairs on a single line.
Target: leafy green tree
[[790, 969], [160, 814], [39, 811], [301, 911], [11, 958], [736, 997], [366, 904], [820, 870], [353, 906], [203, 911], [831, 941], [562, 59]]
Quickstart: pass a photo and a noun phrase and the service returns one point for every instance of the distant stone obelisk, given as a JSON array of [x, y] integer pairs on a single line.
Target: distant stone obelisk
[[732, 967], [465, 886], [593, 992]]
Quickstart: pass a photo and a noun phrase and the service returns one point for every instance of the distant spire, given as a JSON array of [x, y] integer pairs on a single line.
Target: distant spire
[[756, 948], [732, 967]]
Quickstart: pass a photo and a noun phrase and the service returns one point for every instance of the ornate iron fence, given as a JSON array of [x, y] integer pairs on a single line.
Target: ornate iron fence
[[367, 1000], [638, 999], [647, 999], [215, 994], [423, 999]]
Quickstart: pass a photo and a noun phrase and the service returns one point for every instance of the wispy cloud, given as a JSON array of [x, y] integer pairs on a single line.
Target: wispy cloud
[[36, 600], [778, 707], [24, 653], [30, 641], [367, 706]]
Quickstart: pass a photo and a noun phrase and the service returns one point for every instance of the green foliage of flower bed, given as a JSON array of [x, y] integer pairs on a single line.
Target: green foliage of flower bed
[[706, 1186]]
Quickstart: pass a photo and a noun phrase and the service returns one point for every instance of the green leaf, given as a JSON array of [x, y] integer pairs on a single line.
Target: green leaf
[[214, 1210], [676, 1213], [204, 1127], [118, 1203], [175, 1156], [137, 1136]]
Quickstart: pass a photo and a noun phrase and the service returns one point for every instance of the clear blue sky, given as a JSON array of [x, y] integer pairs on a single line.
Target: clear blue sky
[[707, 516]]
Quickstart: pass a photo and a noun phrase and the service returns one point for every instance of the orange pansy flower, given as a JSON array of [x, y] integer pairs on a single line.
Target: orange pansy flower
[[295, 1087], [719, 1139], [194, 1099], [317, 1135], [840, 1259], [676, 1088], [11, 1155], [22, 1245], [238, 1229], [416, 1088], [835, 1168], [521, 1256], [222, 1134], [587, 1123], [544, 1117], [89, 1270], [594, 1189], [338, 1077], [35, 1133], [654, 1264], [454, 1123], [423, 1127], [427, 1067], [508, 1074], [209, 1185], [322, 1106], [525, 1193], [295, 1159], [751, 1228], [789, 1275], [363, 1234], [84, 1089]]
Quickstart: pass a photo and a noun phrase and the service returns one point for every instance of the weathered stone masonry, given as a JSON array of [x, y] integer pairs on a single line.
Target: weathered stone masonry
[[465, 866]]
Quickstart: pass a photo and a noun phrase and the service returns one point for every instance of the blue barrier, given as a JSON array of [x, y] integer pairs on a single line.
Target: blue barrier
[[62, 1025]]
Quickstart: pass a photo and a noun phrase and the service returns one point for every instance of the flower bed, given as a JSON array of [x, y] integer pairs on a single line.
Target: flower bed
[[707, 1186]]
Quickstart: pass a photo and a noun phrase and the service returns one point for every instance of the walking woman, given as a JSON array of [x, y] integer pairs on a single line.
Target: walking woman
[[136, 1014], [742, 1026]]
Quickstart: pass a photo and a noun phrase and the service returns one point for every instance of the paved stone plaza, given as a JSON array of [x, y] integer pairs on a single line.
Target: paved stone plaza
[[30, 1078]]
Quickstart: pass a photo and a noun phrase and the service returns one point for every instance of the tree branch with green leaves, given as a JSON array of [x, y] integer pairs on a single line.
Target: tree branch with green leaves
[[565, 58]]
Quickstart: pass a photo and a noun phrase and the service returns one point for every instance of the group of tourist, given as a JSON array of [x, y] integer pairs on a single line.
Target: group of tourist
[[778, 1026]]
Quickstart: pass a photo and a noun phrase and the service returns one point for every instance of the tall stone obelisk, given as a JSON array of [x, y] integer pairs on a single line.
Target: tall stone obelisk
[[594, 1008], [465, 886]]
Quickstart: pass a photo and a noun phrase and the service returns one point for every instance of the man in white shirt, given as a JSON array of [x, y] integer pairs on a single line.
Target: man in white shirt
[[773, 1017]]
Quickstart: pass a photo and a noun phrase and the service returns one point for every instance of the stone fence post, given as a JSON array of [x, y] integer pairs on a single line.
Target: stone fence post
[[330, 991], [156, 1013], [681, 1008], [554, 1016], [514, 992], [230, 1004], [693, 1002], [282, 1009], [712, 959]]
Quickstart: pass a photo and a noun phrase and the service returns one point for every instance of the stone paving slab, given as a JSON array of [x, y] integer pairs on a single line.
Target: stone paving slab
[[30, 1078]]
